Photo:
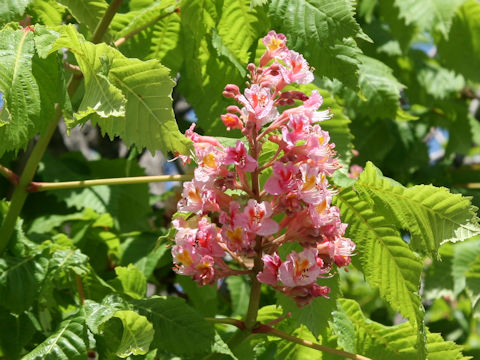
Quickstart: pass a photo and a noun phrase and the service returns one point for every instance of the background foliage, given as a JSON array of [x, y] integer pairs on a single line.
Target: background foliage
[[88, 271]]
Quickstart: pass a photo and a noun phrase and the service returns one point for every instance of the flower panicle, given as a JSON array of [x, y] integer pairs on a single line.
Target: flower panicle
[[233, 219]]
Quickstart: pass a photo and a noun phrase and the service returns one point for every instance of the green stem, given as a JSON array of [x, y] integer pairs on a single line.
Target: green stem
[[20, 194], [323, 348], [43, 186], [106, 20], [267, 329]]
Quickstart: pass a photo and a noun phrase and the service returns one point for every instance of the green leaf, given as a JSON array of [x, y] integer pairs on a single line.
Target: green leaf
[[30, 86], [379, 90], [223, 50], [17, 331], [12, 10], [438, 81], [432, 215], [159, 41], [137, 334], [220, 347], [101, 96], [149, 120], [126, 97], [461, 52], [397, 342], [171, 317], [429, 15], [47, 12], [464, 255], [316, 315], [472, 277], [239, 27], [255, 3], [203, 298], [141, 250], [97, 314], [385, 259], [131, 281], [323, 31], [87, 12], [21, 280], [69, 342], [315, 20], [439, 281], [239, 289], [203, 72]]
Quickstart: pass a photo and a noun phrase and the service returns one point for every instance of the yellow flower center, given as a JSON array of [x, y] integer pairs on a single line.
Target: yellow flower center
[[185, 258], [235, 236], [274, 44], [209, 160]]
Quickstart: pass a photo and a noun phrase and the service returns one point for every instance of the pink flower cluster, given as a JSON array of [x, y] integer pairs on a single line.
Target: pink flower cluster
[[232, 217]]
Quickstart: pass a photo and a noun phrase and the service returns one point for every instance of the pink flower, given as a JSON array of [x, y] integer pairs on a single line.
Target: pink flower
[[258, 103], [355, 171], [314, 189], [238, 155], [232, 121], [284, 179], [303, 295], [300, 125], [258, 218], [196, 138], [300, 268], [297, 69], [189, 262], [269, 275], [276, 47], [344, 248], [197, 198]]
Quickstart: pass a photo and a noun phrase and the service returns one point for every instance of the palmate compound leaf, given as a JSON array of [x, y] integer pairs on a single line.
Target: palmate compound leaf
[[385, 259], [126, 97], [30, 85], [178, 328], [432, 215], [68, 342], [382, 342]]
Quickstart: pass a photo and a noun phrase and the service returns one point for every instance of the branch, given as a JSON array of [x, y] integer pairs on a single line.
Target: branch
[[106, 20], [229, 321], [266, 329], [134, 32], [44, 186], [272, 331], [9, 175], [75, 69]]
